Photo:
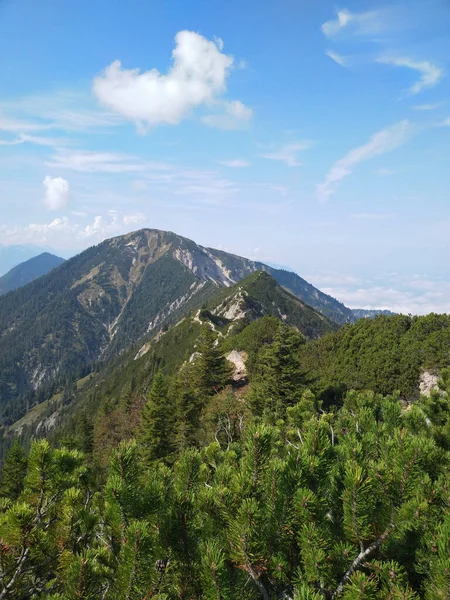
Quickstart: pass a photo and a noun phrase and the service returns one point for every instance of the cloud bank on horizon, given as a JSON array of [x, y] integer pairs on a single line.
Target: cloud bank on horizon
[[321, 139]]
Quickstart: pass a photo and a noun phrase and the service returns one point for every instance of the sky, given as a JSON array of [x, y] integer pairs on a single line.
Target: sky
[[313, 135]]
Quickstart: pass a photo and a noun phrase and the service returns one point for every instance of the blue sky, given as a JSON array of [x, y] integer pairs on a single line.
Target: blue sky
[[310, 134]]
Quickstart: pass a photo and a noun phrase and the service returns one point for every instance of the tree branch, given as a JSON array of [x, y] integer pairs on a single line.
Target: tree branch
[[17, 571], [259, 584], [359, 559]]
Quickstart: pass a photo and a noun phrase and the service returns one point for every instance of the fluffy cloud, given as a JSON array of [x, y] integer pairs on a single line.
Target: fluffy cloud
[[288, 153], [65, 233], [430, 74], [384, 141], [56, 192], [360, 23], [197, 77]]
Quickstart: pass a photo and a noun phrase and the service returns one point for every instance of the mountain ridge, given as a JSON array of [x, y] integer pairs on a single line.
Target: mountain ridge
[[105, 299]]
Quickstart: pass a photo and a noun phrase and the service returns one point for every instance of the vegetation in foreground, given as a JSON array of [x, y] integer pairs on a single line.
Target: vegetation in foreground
[[289, 499]]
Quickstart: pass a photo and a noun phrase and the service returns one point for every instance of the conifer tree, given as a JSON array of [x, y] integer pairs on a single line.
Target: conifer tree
[[189, 406], [279, 379], [156, 433], [211, 371], [346, 505], [13, 471]]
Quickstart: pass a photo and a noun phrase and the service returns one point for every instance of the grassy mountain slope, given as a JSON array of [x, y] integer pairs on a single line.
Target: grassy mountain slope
[[29, 271]]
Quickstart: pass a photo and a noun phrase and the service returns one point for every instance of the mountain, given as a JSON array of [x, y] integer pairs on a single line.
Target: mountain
[[10, 256], [362, 313], [237, 267], [229, 313], [97, 304], [28, 271], [259, 295]]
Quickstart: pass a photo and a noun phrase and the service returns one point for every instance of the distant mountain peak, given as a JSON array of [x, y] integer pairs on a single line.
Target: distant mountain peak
[[28, 271]]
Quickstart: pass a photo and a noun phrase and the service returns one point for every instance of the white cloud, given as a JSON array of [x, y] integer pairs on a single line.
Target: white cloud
[[58, 110], [288, 153], [197, 77], [366, 23], [15, 125], [208, 188], [382, 142], [202, 186], [340, 60], [65, 233], [446, 123], [235, 115], [10, 142], [236, 163], [430, 74], [36, 140], [428, 106], [54, 142], [56, 192], [412, 294], [390, 298], [239, 111], [101, 162]]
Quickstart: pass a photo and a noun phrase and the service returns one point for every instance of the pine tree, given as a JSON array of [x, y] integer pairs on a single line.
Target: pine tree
[[156, 433], [211, 371], [189, 407], [13, 471], [278, 382], [351, 504]]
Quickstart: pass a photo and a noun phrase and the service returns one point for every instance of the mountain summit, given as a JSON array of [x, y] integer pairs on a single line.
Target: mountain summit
[[110, 296]]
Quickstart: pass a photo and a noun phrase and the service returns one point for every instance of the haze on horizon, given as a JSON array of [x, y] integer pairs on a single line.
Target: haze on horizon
[[315, 137]]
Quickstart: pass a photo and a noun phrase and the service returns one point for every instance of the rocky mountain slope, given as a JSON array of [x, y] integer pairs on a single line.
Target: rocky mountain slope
[[28, 271], [228, 312], [259, 295], [100, 302]]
